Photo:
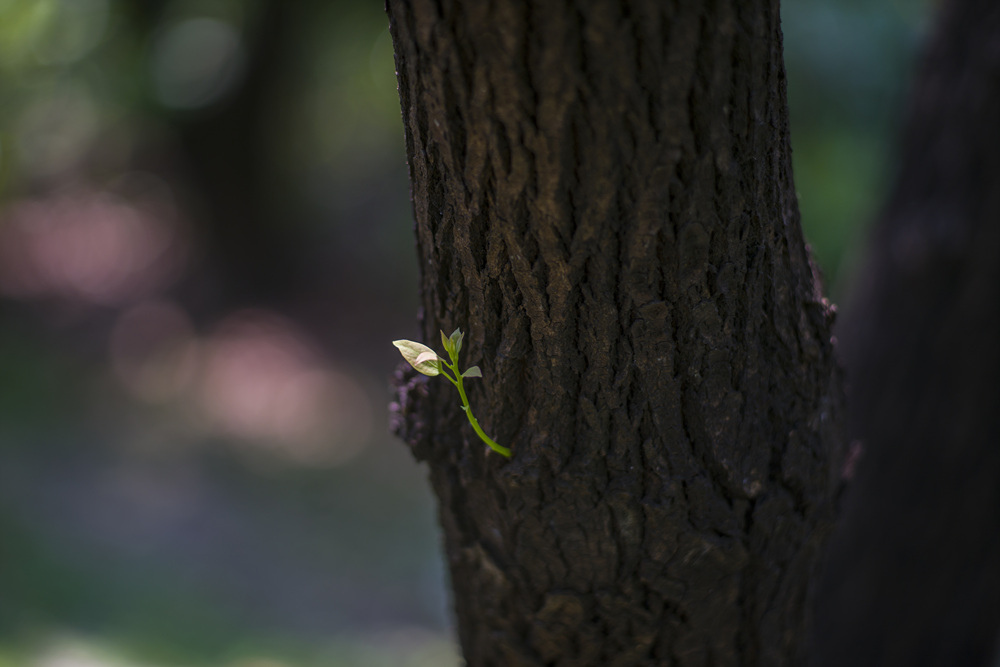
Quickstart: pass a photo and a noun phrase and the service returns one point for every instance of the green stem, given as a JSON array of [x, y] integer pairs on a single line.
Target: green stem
[[457, 381]]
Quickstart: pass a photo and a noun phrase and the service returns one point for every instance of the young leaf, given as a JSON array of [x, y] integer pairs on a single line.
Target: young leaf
[[456, 339], [447, 345], [473, 372], [426, 358], [418, 355]]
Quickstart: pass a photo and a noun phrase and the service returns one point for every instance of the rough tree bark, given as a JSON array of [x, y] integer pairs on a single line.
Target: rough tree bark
[[914, 575], [604, 202]]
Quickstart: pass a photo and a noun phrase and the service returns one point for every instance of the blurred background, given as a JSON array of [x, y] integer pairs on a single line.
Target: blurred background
[[206, 247]]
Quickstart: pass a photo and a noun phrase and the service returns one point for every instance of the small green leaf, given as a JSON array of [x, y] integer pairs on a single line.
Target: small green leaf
[[456, 339], [422, 358], [473, 372]]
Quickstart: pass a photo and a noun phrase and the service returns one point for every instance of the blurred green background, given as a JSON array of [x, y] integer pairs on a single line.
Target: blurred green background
[[205, 249]]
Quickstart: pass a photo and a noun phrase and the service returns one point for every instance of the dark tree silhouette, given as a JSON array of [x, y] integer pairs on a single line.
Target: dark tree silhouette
[[224, 155], [914, 575], [604, 202]]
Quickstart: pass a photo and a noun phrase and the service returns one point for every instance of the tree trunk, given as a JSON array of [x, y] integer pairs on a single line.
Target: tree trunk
[[914, 575], [604, 202]]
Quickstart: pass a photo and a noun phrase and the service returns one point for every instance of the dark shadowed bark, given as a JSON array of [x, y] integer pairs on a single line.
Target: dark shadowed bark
[[914, 577], [604, 202]]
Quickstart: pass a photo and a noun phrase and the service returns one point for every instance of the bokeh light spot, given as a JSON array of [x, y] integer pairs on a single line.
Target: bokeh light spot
[[75, 27], [196, 62], [85, 245], [56, 128], [263, 383]]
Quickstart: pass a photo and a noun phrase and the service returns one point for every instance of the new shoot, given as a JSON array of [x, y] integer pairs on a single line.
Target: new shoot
[[426, 361]]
